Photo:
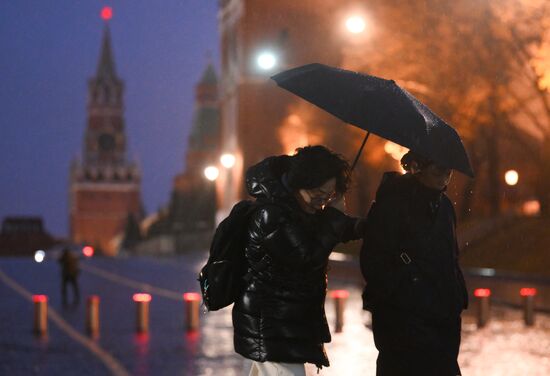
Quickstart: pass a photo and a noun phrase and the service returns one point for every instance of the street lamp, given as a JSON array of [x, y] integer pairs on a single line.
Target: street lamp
[[227, 160], [266, 60], [39, 256], [511, 177], [211, 173], [356, 24]]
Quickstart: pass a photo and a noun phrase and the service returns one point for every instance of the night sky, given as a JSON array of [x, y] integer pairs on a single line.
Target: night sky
[[48, 52]]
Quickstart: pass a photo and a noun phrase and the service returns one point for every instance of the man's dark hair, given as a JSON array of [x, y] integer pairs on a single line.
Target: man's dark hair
[[411, 157], [311, 167]]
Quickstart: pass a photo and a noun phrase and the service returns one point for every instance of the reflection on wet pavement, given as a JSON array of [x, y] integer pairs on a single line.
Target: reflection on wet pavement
[[503, 347]]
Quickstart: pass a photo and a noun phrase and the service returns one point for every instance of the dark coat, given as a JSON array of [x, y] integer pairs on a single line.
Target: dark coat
[[415, 288], [69, 265], [280, 316]]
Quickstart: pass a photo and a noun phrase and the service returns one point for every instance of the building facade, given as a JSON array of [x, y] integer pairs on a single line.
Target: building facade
[[104, 185], [23, 236], [258, 118]]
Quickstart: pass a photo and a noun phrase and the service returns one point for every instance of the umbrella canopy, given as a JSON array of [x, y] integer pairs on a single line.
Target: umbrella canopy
[[379, 106]]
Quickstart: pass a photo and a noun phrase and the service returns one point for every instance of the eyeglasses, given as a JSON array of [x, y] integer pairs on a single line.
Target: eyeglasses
[[321, 195]]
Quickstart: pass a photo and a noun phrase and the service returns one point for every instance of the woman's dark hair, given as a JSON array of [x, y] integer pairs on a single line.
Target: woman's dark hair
[[410, 157], [311, 167]]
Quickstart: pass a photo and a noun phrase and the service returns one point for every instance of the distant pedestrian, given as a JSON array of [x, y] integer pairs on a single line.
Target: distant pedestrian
[[414, 286], [69, 275], [279, 320]]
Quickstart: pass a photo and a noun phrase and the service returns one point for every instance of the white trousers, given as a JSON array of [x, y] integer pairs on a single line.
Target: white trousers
[[277, 369]]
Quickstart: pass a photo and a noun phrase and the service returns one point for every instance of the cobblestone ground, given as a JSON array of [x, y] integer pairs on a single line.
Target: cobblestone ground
[[504, 347]]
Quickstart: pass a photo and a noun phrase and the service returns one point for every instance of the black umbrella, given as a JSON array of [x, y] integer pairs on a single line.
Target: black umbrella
[[379, 106]]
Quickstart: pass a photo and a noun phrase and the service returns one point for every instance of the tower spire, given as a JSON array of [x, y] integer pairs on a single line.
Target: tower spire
[[209, 76], [106, 64]]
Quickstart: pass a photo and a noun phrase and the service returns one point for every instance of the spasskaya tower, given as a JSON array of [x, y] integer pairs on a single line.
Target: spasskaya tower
[[104, 186]]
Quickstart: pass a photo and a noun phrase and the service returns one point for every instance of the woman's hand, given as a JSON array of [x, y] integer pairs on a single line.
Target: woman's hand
[[338, 203]]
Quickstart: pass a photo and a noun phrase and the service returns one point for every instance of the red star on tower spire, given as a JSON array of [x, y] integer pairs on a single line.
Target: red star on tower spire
[[107, 13]]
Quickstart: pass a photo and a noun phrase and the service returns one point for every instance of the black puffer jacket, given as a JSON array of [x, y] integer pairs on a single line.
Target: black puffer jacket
[[280, 316]]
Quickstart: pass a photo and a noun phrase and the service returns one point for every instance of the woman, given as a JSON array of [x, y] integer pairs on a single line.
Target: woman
[[279, 321], [415, 288]]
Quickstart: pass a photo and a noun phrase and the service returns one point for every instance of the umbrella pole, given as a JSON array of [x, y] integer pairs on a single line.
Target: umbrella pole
[[360, 151]]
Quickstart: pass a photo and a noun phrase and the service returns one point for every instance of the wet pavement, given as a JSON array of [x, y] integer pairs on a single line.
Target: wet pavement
[[504, 347]]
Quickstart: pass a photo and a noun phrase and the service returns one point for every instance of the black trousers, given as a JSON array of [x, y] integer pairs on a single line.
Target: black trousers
[[73, 281], [421, 363], [410, 345]]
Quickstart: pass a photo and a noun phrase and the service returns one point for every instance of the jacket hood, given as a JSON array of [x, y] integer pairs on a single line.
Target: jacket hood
[[265, 180]]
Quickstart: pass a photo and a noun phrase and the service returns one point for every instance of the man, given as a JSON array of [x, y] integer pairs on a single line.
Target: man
[[69, 275], [409, 259], [279, 320]]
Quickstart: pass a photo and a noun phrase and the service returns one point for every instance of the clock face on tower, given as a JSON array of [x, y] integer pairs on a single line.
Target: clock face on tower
[[106, 142]]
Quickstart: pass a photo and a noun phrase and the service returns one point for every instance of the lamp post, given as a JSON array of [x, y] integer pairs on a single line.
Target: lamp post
[[223, 175], [212, 172], [511, 178]]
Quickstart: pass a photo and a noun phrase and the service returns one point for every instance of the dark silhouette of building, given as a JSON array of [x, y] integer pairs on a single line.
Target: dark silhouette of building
[[23, 236], [105, 186], [188, 220]]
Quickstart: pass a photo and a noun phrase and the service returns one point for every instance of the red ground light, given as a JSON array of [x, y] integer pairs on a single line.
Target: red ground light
[[482, 293], [191, 297], [528, 291], [142, 297], [39, 298], [339, 294], [107, 13], [88, 251]]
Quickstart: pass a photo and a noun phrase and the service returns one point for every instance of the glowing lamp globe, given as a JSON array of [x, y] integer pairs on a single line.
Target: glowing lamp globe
[[227, 160], [211, 173], [106, 13], [39, 256], [356, 24], [511, 177], [266, 60]]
